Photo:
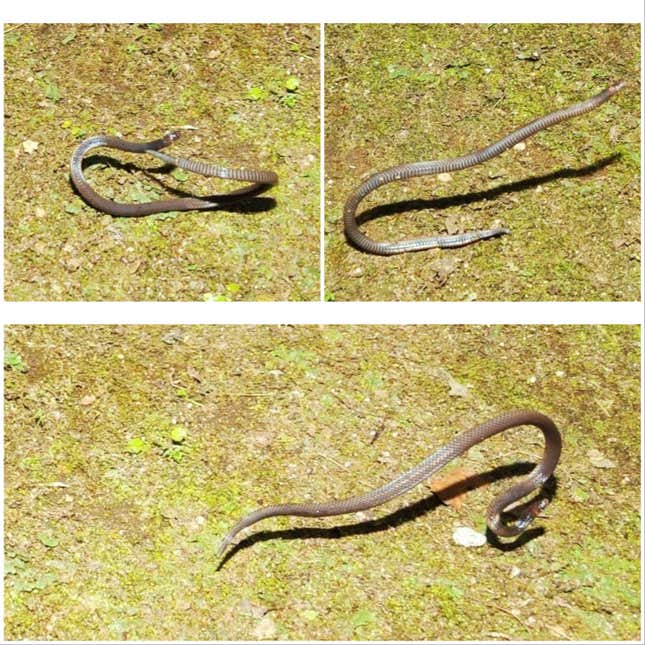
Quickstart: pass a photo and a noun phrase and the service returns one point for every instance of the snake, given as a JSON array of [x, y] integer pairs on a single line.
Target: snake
[[437, 460], [423, 168], [261, 180]]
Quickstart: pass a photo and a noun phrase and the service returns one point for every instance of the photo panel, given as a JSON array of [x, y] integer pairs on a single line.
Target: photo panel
[[433, 194], [132, 451], [166, 162]]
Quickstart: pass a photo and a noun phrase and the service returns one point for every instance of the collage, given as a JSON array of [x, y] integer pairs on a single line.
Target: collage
[[323, 330]]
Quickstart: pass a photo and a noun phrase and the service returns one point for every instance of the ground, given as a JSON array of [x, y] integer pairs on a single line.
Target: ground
[[131, 451], [571, 198], [254, 93]]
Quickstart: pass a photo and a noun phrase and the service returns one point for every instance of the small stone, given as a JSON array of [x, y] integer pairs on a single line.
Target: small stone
[[385, 458], [452, 224], [88, 399], [464, 536], [265, 629], [599, 460], [519, 146], [30, 146], [356, 273], [248, 608], [444, 177], [72, 264]]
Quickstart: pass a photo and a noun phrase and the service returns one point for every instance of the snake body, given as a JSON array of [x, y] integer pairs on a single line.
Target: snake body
[[261, 180], [408, 480], [422, 168]]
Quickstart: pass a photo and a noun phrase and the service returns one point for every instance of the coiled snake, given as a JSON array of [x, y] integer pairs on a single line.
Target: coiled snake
[[421, 168], [261, 180], [408, 480]]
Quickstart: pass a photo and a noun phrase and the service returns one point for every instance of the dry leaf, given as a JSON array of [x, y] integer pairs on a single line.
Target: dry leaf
[[193, 373], [452, 487], [456, 388]]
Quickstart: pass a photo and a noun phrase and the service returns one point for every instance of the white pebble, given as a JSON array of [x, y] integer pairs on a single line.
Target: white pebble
[[464, 536]]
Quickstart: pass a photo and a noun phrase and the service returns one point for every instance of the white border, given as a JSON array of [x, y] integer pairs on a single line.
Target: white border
[[327, 11], [13, 313], [318, 313]]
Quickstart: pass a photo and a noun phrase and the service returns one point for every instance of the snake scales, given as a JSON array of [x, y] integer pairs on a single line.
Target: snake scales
[[411, 478], [260, 180], [422, 168]]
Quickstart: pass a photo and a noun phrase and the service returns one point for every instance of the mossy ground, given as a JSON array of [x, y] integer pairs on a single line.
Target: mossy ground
[[64, 83], [105, 540], [401, 93]]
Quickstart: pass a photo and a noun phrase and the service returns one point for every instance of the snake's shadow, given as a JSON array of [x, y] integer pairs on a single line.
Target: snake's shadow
[[442, 203], [248, 204], [414, 511]]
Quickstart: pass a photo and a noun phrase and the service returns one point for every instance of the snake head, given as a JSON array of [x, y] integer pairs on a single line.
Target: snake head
[[171, 137], [531, 513], [515, 528]]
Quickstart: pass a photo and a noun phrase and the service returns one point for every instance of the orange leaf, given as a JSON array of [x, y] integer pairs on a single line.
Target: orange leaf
[[452, 487]]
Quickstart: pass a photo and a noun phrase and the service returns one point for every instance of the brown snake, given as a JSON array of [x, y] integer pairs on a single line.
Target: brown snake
[[260, 180], [422, 168], [408, 480]]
